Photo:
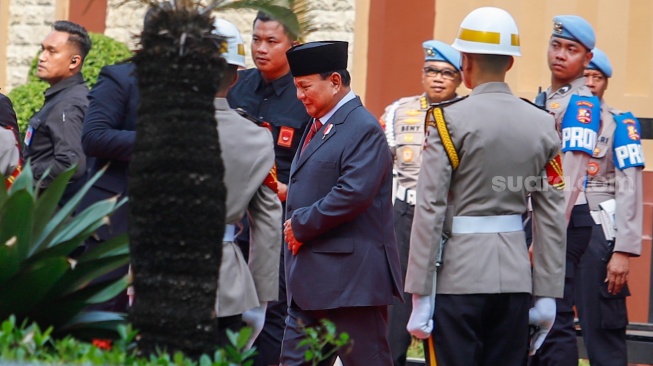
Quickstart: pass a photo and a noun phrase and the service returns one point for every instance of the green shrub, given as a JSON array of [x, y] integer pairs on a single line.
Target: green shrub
[[28, 98], [27, 343], [38, 279]]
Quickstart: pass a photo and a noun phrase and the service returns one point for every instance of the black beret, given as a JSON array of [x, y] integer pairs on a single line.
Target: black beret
[[317, 57]]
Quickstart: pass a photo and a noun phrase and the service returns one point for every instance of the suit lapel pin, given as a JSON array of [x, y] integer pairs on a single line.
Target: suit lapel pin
[[327, 130]]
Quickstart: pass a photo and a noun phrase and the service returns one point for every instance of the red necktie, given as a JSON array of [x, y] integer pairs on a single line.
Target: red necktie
[[314, 128]]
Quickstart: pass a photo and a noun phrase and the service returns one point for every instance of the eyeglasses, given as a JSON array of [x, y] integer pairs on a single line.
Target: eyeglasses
[[447, 74]]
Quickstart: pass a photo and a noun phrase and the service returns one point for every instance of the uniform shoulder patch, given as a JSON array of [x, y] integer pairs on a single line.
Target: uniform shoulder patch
[[448, 102], [534, 105]]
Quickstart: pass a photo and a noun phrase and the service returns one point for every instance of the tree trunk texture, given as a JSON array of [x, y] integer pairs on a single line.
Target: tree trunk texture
[[176, 188]]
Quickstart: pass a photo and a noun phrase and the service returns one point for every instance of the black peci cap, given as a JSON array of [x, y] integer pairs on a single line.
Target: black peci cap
[[317, 57]]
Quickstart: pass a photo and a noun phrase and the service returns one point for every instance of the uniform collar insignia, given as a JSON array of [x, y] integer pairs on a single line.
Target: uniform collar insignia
[[564, 89]]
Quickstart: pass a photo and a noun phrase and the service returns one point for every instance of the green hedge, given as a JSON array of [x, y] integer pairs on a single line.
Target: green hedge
[[28, 98]]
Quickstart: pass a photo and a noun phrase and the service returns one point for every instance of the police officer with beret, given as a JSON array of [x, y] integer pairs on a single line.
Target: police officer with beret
[[482, 275], [577, 114], [614, 185], [403, 121]]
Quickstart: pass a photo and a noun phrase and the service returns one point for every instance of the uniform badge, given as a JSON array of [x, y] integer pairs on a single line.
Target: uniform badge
[[407, 155], [597, 151], [411, 121], [285, 136], [408, 137], [555, 105], [592, 168], [28, 135], [557, 27], [631, 127], [413, 112], [327, 130], [565, 89], [584, 115]]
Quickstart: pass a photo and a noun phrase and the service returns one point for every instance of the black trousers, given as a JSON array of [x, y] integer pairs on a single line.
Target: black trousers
[[367, 327], [559, 347], [480, 330], [399, 312], [603, 316]]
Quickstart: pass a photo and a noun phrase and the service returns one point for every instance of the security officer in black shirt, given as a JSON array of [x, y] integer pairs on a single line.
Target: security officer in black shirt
[[268, 93], [54, 137]]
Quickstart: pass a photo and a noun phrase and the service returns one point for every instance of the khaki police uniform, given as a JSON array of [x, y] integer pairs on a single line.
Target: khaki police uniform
[[559, 347], [404, 130], [501, 142], [9, 152], [403, 122], [603, 316], [248, 155], [574, 163]]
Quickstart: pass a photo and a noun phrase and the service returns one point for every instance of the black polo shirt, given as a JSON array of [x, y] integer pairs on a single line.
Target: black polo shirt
[[276, 103]]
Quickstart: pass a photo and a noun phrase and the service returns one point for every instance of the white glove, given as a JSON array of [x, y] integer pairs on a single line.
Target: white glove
[[420, 323], [255, 318], [542, 315]]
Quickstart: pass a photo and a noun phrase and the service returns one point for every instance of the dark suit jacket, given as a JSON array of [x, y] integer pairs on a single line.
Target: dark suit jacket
[[108, 136], [340, 203], [8, 116]]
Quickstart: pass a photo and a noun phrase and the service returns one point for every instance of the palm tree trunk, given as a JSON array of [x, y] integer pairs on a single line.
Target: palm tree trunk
[[176, 185]]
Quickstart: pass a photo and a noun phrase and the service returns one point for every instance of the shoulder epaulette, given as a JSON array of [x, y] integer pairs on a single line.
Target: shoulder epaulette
[[534, 105], [440, 124], [449, 102], [243, 113]]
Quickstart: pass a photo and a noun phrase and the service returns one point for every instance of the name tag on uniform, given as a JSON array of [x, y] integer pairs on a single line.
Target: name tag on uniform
[[285, 136], [28, 135]]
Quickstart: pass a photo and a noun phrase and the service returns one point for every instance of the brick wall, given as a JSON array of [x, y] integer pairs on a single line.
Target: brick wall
[[334, 19], [29, 22]]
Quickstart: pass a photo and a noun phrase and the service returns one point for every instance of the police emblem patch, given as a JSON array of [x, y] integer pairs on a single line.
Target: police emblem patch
[[408, 137], [592, 168], [633, 134], [413, 112], [407, 155], [584, 115], [555, 105]]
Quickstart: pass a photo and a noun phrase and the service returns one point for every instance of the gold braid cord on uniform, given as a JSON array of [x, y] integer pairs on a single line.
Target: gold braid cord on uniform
[[441, 125]]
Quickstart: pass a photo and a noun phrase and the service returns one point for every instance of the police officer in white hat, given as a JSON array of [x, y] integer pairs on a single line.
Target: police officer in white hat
[[482, 276], [614, 185], [248, 155], [403, 121]]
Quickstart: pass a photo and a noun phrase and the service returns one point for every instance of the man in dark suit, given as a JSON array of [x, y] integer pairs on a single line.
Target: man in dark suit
[[341, 260], [108, 137]]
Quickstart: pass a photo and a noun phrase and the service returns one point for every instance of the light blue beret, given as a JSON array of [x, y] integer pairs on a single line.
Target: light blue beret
[[574, 28], [601, 63], [440, 51]]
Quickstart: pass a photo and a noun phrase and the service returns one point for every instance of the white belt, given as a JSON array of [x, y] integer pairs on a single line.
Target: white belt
[[486, 224], [407, 195], [581, 200], [229, 233]]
